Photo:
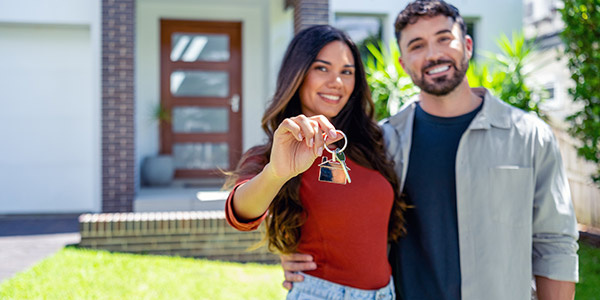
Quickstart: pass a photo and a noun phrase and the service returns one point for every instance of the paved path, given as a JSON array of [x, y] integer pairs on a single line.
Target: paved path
[[26, 240]]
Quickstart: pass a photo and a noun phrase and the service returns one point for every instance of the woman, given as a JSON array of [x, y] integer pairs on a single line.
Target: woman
[[322, 88]]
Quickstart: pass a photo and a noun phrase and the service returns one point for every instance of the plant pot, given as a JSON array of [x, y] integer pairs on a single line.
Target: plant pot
[[158, 170]]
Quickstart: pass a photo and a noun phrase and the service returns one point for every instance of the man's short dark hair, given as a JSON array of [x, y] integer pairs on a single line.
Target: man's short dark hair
[[427, 8]]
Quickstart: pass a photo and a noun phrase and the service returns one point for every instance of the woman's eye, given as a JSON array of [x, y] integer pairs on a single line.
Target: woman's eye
[[347, 72], [321, 68]]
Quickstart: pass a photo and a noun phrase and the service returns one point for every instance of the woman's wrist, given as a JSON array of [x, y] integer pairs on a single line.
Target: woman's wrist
[[272, 176]]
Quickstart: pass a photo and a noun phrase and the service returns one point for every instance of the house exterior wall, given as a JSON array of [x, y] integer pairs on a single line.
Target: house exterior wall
[[543, 22], [310, 12], [491, 18], [50, 69], [118, 168], [266, 30], [56, 116]]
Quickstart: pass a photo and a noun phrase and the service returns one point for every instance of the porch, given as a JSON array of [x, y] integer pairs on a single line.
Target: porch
[[180, 196]]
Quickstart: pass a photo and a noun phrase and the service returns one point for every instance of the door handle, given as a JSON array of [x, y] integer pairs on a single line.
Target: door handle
[[235, 103]]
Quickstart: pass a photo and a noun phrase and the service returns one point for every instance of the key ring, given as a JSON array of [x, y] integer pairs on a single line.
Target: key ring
[[345, 143]]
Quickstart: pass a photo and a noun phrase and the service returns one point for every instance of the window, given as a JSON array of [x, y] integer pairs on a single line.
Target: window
[[362, 29], [529, 10], [471, 32]]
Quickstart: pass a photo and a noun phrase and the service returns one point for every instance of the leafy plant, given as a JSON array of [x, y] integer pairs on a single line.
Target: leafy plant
[[511, 70], [504, 74], [582, 48], [390, 85], [160, 113]]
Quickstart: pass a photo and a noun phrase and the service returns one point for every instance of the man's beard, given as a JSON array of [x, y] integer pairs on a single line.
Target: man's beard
[[442, 85]]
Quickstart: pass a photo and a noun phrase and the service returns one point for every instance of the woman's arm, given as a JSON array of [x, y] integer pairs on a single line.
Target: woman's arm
[[252, 198], [297, 142]]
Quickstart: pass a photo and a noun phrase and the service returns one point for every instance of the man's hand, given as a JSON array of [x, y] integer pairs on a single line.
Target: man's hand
[[292, 263]]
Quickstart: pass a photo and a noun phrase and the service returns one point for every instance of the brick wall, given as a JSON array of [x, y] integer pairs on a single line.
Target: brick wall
[[118, 179], [191, 234], [309, 12]]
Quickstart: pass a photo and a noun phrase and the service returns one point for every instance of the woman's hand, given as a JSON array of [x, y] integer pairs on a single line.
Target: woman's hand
[[297, 142]]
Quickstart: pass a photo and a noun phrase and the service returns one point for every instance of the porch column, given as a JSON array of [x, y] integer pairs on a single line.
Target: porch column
[[309, 12], [118, 34]]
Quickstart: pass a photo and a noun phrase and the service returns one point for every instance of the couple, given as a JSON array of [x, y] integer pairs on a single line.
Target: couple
[[470, 193]]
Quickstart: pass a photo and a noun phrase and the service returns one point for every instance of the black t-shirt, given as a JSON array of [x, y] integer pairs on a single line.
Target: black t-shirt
[[426, 262]]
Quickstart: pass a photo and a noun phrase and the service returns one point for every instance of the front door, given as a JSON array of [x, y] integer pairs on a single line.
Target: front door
[[201, 67]]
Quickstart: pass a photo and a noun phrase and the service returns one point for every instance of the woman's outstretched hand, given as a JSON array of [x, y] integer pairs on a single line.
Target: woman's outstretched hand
[[297, 142]]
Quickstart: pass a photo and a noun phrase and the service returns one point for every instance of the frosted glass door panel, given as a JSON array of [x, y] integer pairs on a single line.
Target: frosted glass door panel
[[191, 119], [204, 156], [200, 83], [199, 47]]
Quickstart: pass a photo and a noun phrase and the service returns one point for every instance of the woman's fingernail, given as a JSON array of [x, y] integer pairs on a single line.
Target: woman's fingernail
[[300, 136], [310, 143], [320, 151], [332, 134]]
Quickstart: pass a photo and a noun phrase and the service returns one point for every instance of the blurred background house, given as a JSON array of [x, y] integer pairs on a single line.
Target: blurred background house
[[542, 22], [98, 95]]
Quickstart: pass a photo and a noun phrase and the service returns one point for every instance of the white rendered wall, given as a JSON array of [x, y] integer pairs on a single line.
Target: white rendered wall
[[281, 33], [68, 12], [49, 159], [266, 30], [492, 17]]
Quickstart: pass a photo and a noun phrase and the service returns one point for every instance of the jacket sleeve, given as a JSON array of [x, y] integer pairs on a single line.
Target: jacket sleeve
[[390, 139], [554, 225]]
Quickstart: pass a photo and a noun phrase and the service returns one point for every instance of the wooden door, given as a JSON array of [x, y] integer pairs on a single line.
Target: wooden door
[[201, 69]]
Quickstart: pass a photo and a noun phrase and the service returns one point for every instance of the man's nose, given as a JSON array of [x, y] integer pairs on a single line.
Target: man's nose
[[433, 53]]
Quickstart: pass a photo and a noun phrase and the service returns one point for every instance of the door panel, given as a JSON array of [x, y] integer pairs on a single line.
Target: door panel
[[201, 90]]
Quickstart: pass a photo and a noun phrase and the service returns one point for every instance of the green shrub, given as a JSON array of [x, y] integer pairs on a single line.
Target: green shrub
[[581, 40], [507, 78], [390, 85], [503, 74]]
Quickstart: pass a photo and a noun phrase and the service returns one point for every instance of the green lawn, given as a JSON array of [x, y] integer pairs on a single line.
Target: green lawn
[[85, 274], [588, 287]]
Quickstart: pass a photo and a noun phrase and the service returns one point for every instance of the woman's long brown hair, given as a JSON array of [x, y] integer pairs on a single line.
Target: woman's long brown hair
[[286, 214]]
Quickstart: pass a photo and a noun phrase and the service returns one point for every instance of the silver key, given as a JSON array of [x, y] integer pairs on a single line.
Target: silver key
[[341, 157]]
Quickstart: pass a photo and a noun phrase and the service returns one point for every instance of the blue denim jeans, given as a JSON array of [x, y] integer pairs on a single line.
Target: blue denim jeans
[[314, 288]]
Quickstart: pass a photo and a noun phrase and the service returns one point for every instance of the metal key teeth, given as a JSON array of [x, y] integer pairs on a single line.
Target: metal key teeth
[[341, 158]]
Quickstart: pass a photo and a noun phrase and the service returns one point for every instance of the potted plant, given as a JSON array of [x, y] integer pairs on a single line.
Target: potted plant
[[159, 169]]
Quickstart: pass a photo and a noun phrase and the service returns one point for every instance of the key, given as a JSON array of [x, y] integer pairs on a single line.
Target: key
[[341, 158]]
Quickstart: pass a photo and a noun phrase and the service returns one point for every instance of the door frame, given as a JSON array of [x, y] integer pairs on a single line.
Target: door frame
[[234, 66]]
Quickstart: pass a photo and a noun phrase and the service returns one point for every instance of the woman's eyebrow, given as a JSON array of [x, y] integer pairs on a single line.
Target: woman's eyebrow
[[329, 64]]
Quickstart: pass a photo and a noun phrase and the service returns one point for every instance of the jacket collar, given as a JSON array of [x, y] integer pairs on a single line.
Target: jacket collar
[[494, 113]]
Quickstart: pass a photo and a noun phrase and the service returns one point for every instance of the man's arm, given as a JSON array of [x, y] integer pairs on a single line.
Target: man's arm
[[294, 263], [554, 225], [548, 289]]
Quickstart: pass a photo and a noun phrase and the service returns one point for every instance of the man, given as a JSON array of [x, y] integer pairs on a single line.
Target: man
[[490, 202]]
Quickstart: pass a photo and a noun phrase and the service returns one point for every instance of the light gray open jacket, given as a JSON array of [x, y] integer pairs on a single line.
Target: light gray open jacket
[[515, 216]]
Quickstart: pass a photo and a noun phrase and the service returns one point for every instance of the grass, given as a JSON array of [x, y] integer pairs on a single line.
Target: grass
[[88, 274], [588, 287]]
